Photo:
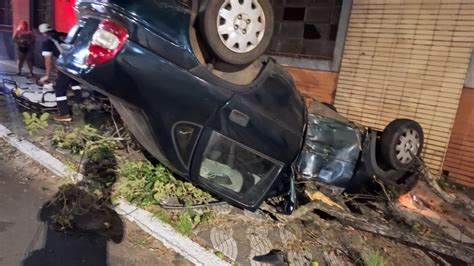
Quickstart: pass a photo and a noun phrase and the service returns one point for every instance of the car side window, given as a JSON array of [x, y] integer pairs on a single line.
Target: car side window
[[231, 166]]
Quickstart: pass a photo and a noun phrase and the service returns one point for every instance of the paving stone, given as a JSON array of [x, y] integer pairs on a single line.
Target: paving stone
[[259, 242], [222, 240]]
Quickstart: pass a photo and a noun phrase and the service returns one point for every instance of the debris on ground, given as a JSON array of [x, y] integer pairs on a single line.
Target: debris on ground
[[424, 225]]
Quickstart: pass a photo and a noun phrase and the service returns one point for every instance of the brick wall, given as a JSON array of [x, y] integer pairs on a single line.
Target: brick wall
[[315, 84], [407, 59]]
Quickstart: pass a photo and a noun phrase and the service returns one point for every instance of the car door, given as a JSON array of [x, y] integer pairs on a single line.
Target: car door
[[251, 140]]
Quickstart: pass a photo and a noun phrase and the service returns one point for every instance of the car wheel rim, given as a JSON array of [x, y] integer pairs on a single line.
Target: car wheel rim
[[407, 146], [241, 25]]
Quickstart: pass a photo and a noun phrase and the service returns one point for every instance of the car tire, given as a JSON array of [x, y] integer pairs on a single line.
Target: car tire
[[238, 37], [400, 140]]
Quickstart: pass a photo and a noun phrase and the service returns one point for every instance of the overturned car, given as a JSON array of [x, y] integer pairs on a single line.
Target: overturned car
[[191, 84]]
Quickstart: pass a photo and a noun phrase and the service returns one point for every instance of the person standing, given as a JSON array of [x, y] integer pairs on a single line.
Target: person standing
[[25, 43], [51, 49]]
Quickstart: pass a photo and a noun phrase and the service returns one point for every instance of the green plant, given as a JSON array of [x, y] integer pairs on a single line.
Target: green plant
[[71, 166], [184, 222], [220, 254], [34, 122], [163, 216], [78, 140], [138, 182], [145, 184], [372, 257], [81, 140], [187, 220]]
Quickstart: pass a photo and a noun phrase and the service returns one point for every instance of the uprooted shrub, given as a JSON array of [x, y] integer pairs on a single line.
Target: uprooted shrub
[[145, 183], [141, 183], [153, 186], [86, 206]]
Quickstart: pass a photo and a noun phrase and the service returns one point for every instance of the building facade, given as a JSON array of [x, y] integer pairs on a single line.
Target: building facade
[[58, 13]]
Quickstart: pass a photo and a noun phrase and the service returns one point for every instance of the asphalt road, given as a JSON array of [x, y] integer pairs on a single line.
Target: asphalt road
[[27, 236]]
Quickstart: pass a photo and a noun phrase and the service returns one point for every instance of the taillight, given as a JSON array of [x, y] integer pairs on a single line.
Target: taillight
[[107, 40]]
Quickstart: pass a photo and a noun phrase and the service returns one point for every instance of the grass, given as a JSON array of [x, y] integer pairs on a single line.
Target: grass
[[219, 254], [184, 223], [372, 257], [163, 216]]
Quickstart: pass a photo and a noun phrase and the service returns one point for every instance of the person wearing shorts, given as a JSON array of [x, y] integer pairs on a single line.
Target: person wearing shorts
[[24, 40]]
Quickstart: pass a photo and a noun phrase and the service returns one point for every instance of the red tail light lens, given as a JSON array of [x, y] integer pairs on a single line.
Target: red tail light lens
[[107, 40]]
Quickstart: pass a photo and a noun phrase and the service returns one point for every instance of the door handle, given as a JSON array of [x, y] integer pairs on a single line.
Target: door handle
[[239, 118]]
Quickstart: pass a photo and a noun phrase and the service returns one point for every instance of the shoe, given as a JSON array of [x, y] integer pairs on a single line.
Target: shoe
[[62, 118]]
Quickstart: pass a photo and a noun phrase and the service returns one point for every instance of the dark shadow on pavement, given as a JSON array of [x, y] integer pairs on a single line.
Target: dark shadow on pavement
[[80, 218]]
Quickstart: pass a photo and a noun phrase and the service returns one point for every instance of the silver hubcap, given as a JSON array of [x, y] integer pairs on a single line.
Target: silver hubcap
[[241, 25], [408, 145]]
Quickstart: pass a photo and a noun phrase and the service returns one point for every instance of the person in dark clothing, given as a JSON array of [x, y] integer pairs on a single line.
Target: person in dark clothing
[[51, 50], [25, 43]]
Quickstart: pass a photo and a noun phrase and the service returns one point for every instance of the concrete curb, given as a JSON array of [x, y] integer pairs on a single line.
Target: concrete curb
[[189, 249], [168, 236], [37, 154]]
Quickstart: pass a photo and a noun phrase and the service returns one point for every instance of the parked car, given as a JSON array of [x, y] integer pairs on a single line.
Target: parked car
[[194, 89]]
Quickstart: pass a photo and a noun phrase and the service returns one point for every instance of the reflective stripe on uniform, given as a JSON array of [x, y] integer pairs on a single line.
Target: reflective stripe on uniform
[[75, 88], [61, 98]]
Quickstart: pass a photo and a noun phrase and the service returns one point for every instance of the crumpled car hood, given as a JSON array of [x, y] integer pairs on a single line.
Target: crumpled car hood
[[331, 148]]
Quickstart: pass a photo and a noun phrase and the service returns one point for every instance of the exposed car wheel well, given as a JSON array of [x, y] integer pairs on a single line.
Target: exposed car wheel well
[[240, 74], [237, 74]]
